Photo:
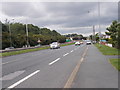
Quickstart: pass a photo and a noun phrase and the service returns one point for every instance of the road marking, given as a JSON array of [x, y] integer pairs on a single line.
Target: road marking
[[82, 59], [54, 61], [74, 73], [9, 62], [22, 80], [66, 54], [71, 51], [12, 75]]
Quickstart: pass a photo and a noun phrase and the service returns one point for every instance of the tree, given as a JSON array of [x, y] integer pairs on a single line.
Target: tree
[[19, 38], [114, 32]]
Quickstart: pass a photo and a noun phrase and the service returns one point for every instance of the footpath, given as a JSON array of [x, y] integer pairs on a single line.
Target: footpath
[[96, 71]]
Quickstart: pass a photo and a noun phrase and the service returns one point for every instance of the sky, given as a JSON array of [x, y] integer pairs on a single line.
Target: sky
[[64, 17]]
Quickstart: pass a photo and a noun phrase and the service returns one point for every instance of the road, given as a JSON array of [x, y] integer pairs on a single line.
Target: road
[[56, 68]]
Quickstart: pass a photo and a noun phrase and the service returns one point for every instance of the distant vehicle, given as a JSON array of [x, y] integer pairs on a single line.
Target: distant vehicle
[[88, 42], [54, 45], [38, 45], [77, 43], [81, 42], [9, 48], [93, 42]]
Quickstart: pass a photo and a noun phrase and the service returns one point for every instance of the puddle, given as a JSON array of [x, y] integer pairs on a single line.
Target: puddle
[[12, 75]]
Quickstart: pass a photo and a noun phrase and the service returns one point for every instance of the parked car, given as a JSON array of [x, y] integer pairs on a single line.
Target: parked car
[[77, 43], [55, 45], [88, 42], [9, 48], [81, 42], [38, 45]]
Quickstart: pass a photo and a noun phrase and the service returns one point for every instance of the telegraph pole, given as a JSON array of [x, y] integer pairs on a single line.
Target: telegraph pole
[[10, 33], [93, 38], [99, 21], [119, 11], [27, 35]]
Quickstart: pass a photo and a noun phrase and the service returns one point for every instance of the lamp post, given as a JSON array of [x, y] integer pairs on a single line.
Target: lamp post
[[93, 27], [99, 21], [119, 11], [10, 33], [27, 35]]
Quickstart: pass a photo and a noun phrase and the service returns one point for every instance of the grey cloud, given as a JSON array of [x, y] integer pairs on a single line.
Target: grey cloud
[[64, 14]]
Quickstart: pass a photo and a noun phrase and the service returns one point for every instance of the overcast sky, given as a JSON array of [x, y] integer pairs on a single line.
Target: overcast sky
[[64, 17]]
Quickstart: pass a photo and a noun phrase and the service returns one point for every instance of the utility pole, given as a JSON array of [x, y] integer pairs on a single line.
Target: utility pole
[[10, 33], [93, 38], [27, 35], [99, 21], [9, 28], [119, 11]]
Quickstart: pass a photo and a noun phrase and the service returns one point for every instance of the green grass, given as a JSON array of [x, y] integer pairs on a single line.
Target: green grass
[[107, 50], [27, 50], [67, 44], [115, 63], [22, 51]]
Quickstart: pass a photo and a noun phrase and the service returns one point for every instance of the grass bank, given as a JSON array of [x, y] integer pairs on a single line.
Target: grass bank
[[27, 50], [115, 63], [22, 51], [107, 50]]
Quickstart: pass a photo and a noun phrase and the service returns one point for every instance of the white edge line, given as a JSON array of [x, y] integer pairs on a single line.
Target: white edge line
[[20, 81], [54, 61]]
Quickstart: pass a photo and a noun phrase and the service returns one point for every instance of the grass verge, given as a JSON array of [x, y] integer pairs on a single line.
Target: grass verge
[[22, 51], [27, 50], [115, 63], [66, 44], [108, 50]]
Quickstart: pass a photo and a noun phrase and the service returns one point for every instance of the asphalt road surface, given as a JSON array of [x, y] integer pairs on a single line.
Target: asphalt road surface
[[57, 68]]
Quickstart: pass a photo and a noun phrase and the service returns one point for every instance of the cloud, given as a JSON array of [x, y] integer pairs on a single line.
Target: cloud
[[65, 17]]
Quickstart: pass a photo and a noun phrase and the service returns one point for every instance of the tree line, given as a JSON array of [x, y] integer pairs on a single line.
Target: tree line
[[35, 34]]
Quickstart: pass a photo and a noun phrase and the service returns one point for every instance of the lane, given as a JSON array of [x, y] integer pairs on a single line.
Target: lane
[[27, 55], [56, 75], [24, 61], [31, 64]]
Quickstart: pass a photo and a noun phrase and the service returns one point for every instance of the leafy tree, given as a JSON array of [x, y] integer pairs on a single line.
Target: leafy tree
[[114, 32], [19, 38]]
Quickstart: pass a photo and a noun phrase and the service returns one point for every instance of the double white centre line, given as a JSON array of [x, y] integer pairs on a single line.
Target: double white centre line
[[54, 61]]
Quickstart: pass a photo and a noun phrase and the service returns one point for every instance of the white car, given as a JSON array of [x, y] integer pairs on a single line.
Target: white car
[[9, 48], [54, 45], [88, 42], [77, 43]]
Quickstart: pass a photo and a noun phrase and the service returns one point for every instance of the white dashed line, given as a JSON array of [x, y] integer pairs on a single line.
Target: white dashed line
[[71, 51], [22, 80], [54, 61], [66, 54]]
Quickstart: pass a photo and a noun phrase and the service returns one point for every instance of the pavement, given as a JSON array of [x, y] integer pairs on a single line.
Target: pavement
[[96, 71], [53, 68]]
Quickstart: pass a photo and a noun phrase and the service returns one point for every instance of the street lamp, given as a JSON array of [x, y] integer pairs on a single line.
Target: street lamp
[[99, 20], [119, 11], [93, 27], [27, 35], [10, 32]]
